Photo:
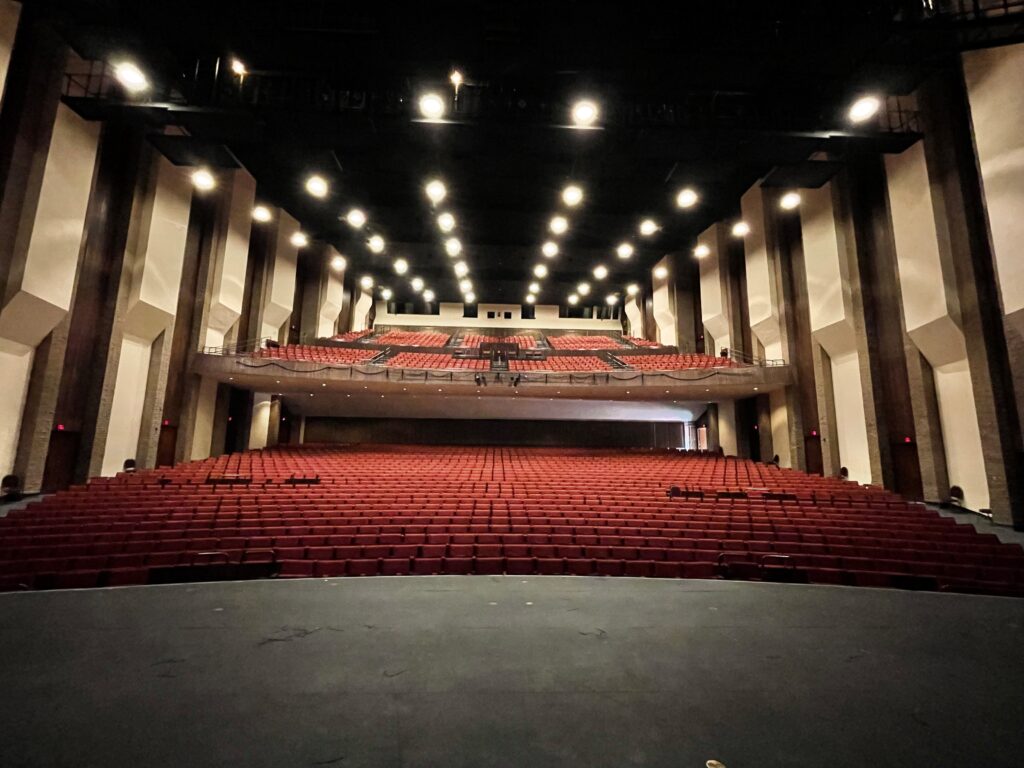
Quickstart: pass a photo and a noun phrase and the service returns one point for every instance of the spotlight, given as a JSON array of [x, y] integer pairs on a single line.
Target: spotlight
[[864, 108], [446, 222], [611, 299], [661, 273], [549, 249], [436, 191], [573, 299], [428, 296], [583, 289], [624, 251], [632, 289], [789, 201], [338, 263], [366, 282], [452, 246], [648, 227], [401, 266], [558, 225], [530, 298], [455, 78], [417, 284], [431, 106], [584, 113], [261, 214], [600, 272], [299, 239], [469, 298], [572, 195], [356, 218], [385, 293], [131, 77], [534, 287], [238, 68], [203, 180], [317, 186], [702, 251], [740, 229], [376, 244], [466, 286], [461, 269], [687, 198], [540, 271]]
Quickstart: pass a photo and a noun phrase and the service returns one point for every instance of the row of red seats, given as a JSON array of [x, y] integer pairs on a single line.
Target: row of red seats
[[315, 354], [436, 360], [475, 340], [352, 335], [568, 364], [675, 362], [570, 341], [412, 338]]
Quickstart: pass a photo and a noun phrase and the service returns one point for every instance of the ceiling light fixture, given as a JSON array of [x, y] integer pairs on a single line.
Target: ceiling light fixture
[[461, 269], [436, 191], [648, 227], [530, 298], [261, 214], [131, 77], [385, 293], [401, 266], [740, 229], [417, 284], [452, 246], [624, 251], [573, 299], [317, 186], [366, 282], [299, 239], [687, 198], [466, 286], [572, 195], [455, 78], [431, 106], [238, 68], [632, 289], [428, 296], [376, 244], [355, 218], [203, 180], [661, 272], [534, 288], [540, 271], [469, 298], [558, 225], [600, 272], [611, 299], [864, 108], [549, 249], [584, 113], [702, 251], [338, 263], [583, 289], [446, 222], [789, 201]]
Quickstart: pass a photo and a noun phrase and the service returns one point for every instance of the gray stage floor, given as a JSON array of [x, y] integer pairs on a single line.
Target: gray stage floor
[[496, 671]]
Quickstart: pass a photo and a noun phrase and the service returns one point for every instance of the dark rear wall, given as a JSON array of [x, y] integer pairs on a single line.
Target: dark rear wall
[[618, 434]]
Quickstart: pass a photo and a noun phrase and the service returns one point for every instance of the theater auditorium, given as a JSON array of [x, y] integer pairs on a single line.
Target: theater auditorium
[[512, 384]]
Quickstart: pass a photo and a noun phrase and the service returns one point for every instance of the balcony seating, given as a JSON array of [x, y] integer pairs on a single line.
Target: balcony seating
[[412, 339], [357, 511], [675, 362], [352, 335], [475, 340], [314, 354], [568, 364], [570, 341], [641, 342], [436, 360]]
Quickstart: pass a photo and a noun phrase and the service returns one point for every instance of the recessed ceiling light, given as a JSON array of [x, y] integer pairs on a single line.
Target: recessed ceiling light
[[648, 227], [356, 218], [131, 77], [632, 289], [611, 299], [740, 229], [624, 250], [436, 191], [702, 251], [572, 195], [573, 299], [583, 289], [549, 249], [431, 106], [540, 271], [203, 180], [452, 246], [428, 295], [376, 244], [558, 224], [446, 222], [385, 293], [687, 198], [461, 269], [417, 284], [299, 239], [864, 108], [584, 113], [530, 298], [401, 266], [469, 298], [366, 282], [789, 201], [316, 186], [455, 78], [338, 263], [661, 272], [261, 213], [534, 288], [238, 67], [466, 286], [600, 272]]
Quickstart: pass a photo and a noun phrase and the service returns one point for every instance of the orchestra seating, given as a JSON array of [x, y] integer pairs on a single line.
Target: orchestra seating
[[358, 511], [315, 354], [436, 360], [575, 363], [475, 340], [413, 338], [675, 362], [570, 341]]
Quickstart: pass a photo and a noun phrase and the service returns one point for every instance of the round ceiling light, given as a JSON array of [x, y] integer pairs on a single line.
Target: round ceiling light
[[131, 77], [572, 195], [469, 298], [401, 266], [317, 186], [534, 288], [687, 198], [261, 214], [338, 263], [558, 225], [583, 289], [417, 284], [436, 191], [461, 269], [356, 218], [600, 272], [376, 244], [611, 299], [446, 222], [584, 113], [549, 249], [366, 282], [452, 246], [864, 108], [573, 299], [661, 273], [530, 298], [385, 293], [632, 289], [203, 180], [431, 106], [648, 227], [624, 251], [299, 239], [428, 295], [540, 271], [740, 229], [789, 201]]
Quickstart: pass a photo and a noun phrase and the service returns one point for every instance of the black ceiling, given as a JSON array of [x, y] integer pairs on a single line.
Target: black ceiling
[[712, 95]]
